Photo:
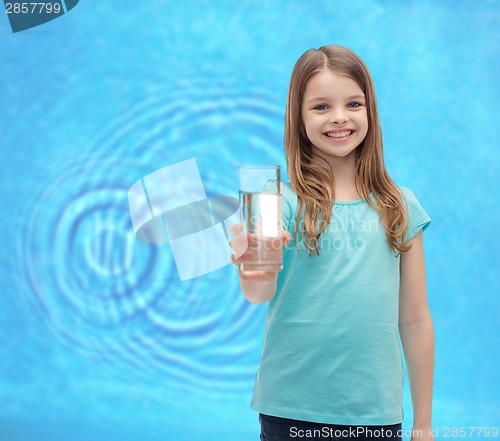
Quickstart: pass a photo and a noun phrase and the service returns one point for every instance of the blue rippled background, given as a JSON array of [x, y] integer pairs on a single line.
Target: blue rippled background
[[98, 337]]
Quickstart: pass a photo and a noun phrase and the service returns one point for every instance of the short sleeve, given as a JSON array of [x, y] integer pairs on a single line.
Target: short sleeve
[[418, 219]]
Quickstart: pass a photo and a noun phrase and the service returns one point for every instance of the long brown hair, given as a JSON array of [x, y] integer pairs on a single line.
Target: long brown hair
[[308, 178]]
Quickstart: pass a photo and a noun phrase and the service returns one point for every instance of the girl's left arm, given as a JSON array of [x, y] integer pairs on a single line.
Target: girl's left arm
[[417, 334]]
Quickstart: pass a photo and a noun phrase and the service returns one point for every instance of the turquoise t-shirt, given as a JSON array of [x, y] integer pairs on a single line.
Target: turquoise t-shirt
[[331, 351]]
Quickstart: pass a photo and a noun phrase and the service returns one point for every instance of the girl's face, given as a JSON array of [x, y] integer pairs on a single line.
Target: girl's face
[[334, 114]]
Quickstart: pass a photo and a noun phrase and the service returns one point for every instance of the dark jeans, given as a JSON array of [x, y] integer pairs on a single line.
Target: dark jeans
[[283, 429]]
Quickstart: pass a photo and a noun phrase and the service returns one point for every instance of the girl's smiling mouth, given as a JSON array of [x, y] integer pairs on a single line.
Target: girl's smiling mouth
[[339, 135]]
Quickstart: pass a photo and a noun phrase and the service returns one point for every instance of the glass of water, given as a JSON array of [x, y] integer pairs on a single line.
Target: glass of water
[[260, 205]]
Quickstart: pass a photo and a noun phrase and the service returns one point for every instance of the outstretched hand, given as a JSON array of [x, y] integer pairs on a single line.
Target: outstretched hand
[[239, 243]]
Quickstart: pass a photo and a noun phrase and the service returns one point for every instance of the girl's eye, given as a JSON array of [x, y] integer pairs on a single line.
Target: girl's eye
[[321, 107], [353, 105]]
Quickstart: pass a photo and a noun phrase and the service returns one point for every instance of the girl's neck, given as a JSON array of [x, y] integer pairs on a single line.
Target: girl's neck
[[344, 171]]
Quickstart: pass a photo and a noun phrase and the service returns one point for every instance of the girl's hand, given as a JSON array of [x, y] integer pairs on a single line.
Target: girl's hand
[[239, 243], [424, 437]]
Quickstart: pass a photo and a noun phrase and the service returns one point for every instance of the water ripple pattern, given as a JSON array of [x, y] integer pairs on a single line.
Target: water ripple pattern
[[111, 297]]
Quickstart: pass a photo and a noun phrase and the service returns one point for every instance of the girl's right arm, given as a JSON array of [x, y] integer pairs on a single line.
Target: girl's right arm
[[257, 286]]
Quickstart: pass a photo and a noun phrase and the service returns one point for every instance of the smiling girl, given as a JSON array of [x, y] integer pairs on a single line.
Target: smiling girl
[[353, 279]]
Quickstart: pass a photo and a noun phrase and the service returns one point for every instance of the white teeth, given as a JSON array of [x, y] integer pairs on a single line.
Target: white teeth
[[339, 134]]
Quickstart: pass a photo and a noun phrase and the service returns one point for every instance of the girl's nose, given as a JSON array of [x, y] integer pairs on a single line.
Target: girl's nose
[[338, 117]]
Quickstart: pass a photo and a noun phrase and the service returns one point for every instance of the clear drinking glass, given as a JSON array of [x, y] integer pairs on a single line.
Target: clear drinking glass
[[260, 204]]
